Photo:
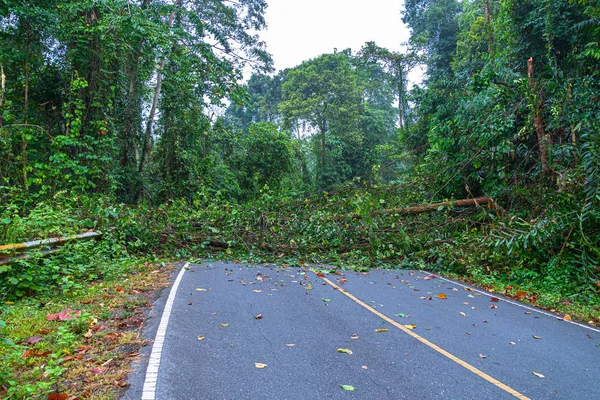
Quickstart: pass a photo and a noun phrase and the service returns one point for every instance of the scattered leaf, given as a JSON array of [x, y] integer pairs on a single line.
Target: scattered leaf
[[494, 299], [425, 297], [364, 367], [536, 337], [58, 396], [482, 356], [200, 337], [347, 387], [382, 330], [33, 340], [346, 351], [200, 289], [259, 316], [97, 371], [290, 345], [463, 314], [454, 289], [521, 295], [528, 312], [355, 336], [410, 326], [401, 315], [567, 317], [63, 315], [32, 353], [326, 300], [260, 365], [442, 296], [257, 290], [493, 306], [309, 286], [471, 296], [538, 374], [225, 325], [511, 343], [468, 333]]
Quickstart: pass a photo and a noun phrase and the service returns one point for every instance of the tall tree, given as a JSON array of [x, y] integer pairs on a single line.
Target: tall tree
[[434, 29], [323, 92]]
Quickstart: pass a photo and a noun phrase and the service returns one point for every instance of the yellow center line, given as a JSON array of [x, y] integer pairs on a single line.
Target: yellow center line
[[426, 342]]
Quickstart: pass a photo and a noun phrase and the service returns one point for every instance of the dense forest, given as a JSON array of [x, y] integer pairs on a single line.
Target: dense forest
[[134, 119]]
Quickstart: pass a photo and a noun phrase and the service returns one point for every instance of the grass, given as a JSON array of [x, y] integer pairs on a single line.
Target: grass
[[585, 310], [86, 357]]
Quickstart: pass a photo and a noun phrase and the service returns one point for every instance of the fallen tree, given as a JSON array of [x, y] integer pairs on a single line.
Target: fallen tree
[[476, 202]]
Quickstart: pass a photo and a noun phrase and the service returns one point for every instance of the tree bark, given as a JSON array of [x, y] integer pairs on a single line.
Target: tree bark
[[542, 138], [26, 105], [479, 201], [2, 89], [476, 202], [159, 76], [488, 20], [400, 78]]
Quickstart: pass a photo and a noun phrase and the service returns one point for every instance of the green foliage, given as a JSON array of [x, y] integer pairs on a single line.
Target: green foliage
[[264, 157], [81, 149], [481, 122]]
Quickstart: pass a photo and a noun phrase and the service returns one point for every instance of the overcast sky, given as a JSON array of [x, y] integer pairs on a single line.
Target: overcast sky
[[299, 30]]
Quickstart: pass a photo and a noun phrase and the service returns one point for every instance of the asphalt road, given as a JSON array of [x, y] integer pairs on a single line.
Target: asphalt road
[[466, 346]]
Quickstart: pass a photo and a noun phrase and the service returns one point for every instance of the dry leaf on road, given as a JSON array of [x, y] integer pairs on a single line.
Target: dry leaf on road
[[538, 374]]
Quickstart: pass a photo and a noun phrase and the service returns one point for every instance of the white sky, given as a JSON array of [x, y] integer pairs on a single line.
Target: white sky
[[299, 30]]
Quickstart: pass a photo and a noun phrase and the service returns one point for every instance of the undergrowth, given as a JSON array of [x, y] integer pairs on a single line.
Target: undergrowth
[[551, 254]]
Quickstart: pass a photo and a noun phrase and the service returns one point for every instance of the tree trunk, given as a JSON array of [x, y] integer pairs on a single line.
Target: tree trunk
[[537, 119], [26, 106], [488, 20], [159, 73], [400, 79], [2, 89], [479, 201]]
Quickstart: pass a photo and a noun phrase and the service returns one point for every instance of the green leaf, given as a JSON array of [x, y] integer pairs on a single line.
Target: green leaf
[[326, 300], [401, 315], [347, 387]]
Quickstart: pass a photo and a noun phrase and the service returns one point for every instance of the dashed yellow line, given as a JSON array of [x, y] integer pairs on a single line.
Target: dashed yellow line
[[435, 347]]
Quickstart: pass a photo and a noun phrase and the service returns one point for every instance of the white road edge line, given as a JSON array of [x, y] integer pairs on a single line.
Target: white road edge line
[[513, 302], [149, 391]]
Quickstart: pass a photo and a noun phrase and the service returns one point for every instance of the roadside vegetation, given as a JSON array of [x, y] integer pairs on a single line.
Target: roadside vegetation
[[133, 121]]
